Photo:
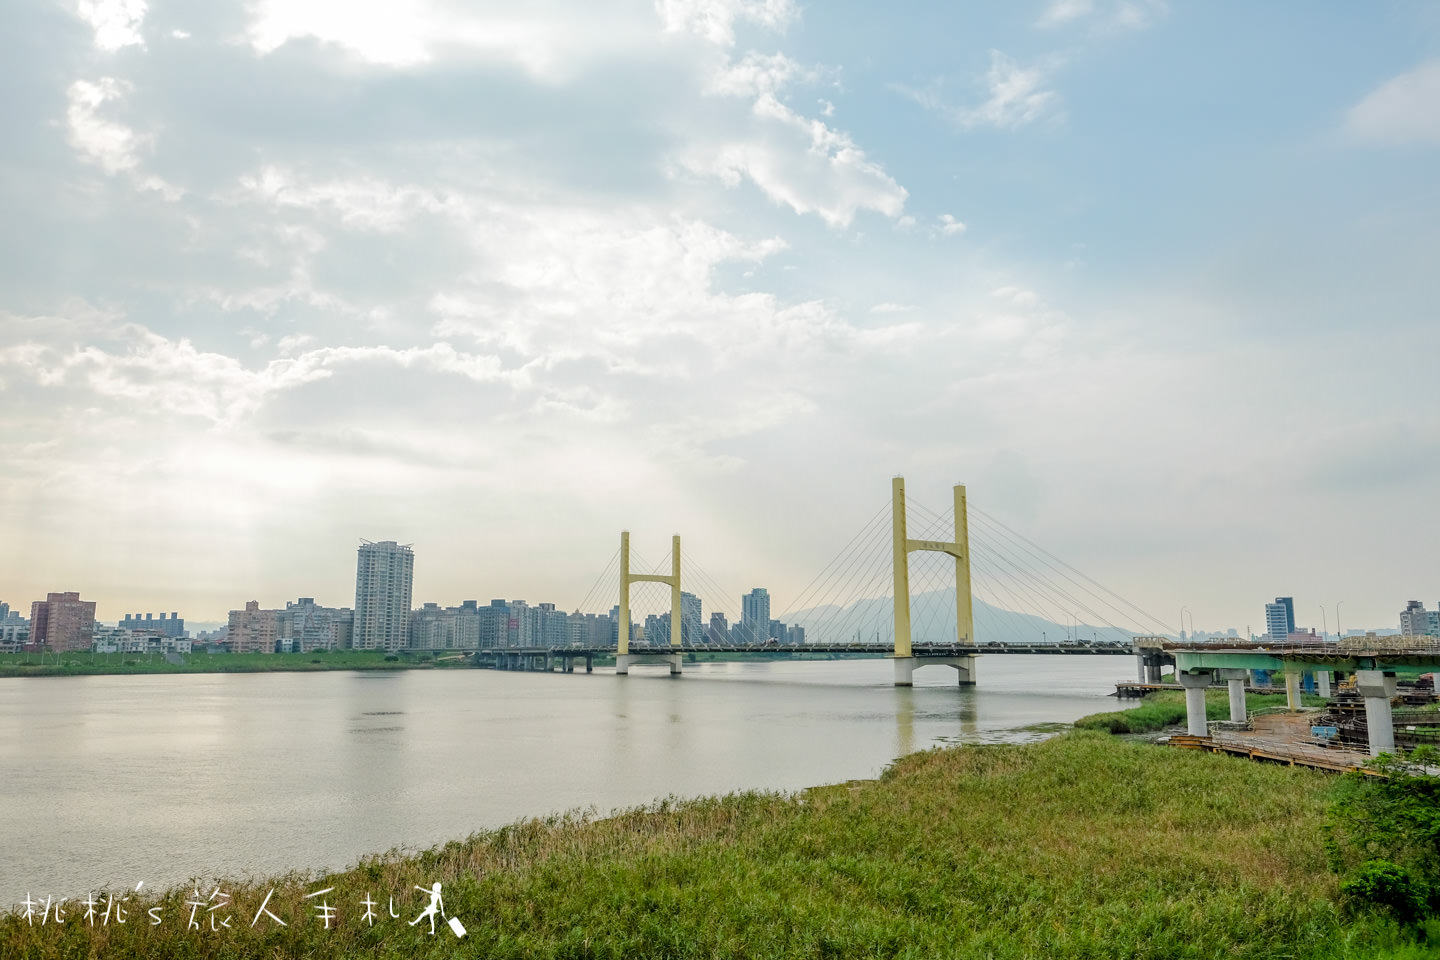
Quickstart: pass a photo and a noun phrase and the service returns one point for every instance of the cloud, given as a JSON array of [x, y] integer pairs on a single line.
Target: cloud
[[1064, 11], [1404, 110], [1103, 16], [758, 74], [802, 164], [949, 226], [799, 162], [116, 22], [891, 308], [111, 146], [1017, 96], [173, 376], [715, 20], [549, 41]]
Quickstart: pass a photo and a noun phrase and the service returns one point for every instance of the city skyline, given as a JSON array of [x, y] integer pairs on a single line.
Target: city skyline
[[502, 282]]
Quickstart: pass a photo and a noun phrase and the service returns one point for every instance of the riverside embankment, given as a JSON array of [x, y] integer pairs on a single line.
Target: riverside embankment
[[1079, 846]]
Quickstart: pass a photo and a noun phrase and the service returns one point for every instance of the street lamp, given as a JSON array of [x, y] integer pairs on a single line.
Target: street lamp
[[1183, 611], [1324, 625], [1338, 634]]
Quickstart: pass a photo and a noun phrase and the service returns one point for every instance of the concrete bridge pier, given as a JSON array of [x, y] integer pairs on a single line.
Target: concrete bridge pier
[[905, 668], [1322, 683], [1377, 687], [624, 661], [1235, 680], [1292, 690], [1195, 684]]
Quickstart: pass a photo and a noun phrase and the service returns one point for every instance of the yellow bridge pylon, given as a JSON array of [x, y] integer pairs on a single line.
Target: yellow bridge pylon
[[624, 659], [906, 663]]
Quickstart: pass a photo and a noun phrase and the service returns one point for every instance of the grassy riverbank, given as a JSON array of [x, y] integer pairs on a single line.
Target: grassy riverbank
[[1165, 708], [87, 663], [1080, 846]]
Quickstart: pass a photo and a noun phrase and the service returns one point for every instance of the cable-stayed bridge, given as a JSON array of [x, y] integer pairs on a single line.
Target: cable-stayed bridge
[[917, 585]]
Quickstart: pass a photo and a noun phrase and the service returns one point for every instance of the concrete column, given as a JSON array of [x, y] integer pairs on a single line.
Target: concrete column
[[589, 663], [1152, 670], [1140, 668], [622, 664], [1292, 690], [1235, 679], [904, 671], [1194, 684], [1377, 688], [1322, 683]]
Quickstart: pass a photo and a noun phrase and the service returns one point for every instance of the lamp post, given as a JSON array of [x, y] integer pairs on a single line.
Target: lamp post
[[1338, 634], [1183, 611], [1324, 626]]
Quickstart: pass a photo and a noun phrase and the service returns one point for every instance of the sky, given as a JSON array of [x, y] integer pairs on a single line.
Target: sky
[[1155, 280]]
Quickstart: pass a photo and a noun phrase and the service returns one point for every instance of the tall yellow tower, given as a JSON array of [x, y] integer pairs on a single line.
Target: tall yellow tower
[[906, 663], [624, 659]]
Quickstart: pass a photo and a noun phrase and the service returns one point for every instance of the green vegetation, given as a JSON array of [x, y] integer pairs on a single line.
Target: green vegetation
[[1165, 708], [1079, 846], [78, 664], [1384, 836]]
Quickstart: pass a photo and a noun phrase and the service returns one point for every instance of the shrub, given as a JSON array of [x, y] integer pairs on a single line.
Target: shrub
[[1383, 836], [1381, 883]]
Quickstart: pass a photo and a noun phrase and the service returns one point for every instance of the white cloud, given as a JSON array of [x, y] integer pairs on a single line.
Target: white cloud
[[1016, 295], [1403, 110], [158, 374], [116, 22], [795, 161], [1103, 16], [758, 74], [1064, 11], [547, 41], [111, 146], [715, 20], [892, 308], [949, 226], [1017, 95], [804, 165]]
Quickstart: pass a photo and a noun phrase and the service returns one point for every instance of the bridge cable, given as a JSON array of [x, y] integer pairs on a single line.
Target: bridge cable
[[1062, 563]]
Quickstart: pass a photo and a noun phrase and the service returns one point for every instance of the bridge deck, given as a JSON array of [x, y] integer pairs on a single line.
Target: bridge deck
[[868, 649]]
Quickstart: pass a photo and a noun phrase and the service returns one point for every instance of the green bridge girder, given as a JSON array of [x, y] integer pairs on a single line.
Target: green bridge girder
[[1400, 664]]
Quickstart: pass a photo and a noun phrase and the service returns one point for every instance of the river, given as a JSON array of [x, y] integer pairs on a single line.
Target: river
[[108, 781]]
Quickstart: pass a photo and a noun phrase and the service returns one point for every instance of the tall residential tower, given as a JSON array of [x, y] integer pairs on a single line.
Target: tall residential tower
[[383, 579]]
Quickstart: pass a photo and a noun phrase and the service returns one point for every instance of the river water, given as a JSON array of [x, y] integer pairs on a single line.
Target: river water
[[108, 781]]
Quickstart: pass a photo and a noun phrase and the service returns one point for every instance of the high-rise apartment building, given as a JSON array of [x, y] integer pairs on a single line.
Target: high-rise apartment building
[[755, 615], [252, 630], [384, 575], [1280, 619], [63, 621], [692, 626], [172, 626], [310, 626], [1415, 620]]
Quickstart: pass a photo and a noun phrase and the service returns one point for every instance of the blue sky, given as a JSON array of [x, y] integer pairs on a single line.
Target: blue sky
[[1156, 280]]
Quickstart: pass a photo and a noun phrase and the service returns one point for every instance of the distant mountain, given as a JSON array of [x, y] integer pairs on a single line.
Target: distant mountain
[[932, 620]]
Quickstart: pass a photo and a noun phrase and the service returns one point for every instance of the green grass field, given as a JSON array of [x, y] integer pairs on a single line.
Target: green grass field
[[1081, 846], [86, 663], [1165, 708]]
